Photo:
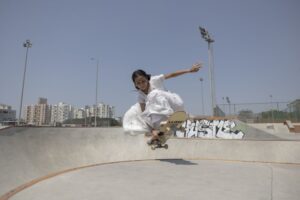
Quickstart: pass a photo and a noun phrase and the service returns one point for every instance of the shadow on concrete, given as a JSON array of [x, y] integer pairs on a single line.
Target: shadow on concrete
[[178, 161]]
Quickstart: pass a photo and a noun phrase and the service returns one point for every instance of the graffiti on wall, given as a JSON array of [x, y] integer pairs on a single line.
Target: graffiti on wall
[[203, 128]]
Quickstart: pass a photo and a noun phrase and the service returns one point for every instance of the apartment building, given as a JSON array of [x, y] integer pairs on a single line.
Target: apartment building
[[6, 113], [29, 114], [61, 112], [105, 111], [44, 114], [102, 111], [79, 113], [38, 114]]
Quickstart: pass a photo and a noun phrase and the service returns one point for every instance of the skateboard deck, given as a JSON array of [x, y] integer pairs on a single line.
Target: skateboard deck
[[167, 129]]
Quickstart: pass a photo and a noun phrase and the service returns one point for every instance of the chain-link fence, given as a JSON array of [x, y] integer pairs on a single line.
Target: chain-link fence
[[272, 112]]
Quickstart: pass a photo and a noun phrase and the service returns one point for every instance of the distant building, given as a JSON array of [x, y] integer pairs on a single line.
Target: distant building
[[87, 110], [105, 111], [79, 113], [294, 106], [44, 114], [61, 112], [38, 114], [29, 114], [6, 113], [42, 100]]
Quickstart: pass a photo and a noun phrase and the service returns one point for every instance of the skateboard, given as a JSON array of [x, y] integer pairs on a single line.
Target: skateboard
[[167, 129]]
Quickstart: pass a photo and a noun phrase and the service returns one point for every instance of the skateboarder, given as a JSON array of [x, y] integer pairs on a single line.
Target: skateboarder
[[155, 101]]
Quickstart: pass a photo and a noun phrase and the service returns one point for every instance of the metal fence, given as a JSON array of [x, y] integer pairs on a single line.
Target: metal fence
[[271, 112]]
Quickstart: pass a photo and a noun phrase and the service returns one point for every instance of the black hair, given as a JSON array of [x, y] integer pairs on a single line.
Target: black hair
[[140, 72]]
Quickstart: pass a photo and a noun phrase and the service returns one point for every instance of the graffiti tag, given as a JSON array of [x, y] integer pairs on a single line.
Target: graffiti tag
[[225, 129]]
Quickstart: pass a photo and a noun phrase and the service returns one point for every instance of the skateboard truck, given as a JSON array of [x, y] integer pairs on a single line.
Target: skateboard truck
[[167, 129], [157, 143]]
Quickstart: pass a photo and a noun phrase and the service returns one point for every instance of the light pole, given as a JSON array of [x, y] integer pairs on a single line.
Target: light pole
[[85, 119], [96, 99], [224, 106], [27, 45], [229, 108], [209, 40], [202, 96], [271, 97]]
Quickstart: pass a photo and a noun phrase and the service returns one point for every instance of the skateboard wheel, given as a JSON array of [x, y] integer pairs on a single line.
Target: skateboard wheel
[[166, 146], [160, 134], [153, 147]]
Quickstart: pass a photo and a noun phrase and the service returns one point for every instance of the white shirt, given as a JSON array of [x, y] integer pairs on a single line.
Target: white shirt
[[156, 82]]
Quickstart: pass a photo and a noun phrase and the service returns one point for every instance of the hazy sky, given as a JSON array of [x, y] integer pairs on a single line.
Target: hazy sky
[[256, 49]]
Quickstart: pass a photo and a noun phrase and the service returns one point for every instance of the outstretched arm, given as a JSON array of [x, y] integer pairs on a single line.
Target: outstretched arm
[[195, 68]]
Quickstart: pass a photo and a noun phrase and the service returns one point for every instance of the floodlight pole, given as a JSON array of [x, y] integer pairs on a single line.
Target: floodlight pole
[[202, 96], [96, 99], [27, 45], [271, 96], [205, 35]]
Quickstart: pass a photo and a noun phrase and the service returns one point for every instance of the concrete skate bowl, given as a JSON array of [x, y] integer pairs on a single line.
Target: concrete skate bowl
[[28, 156]]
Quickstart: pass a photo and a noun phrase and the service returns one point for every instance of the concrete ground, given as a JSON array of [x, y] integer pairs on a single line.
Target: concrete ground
[[172, 179], [105, 163]]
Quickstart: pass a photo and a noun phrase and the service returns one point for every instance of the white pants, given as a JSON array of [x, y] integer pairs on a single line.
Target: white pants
[[159, 105]]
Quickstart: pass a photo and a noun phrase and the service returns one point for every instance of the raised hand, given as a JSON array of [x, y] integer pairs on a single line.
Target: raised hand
[[196, 67]]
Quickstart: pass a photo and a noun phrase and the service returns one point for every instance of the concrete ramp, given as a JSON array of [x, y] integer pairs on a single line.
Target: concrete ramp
[[254, 132], [266, 131], [29, 155]]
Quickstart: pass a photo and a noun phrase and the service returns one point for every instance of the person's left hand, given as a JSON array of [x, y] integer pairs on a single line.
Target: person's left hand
[[196, 67]]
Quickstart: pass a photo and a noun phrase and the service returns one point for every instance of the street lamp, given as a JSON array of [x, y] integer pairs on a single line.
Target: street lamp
[[27, 45], [202, 96], [205, 35], [96, 99]]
